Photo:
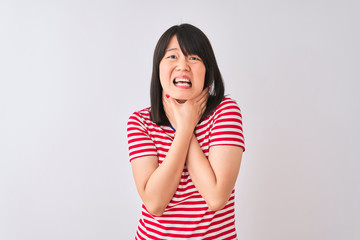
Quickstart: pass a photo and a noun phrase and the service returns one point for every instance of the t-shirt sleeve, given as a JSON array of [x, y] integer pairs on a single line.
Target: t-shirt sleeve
[[227, 128], [139, 141]]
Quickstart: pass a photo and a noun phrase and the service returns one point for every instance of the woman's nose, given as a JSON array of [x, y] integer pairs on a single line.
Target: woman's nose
[[183, 64]]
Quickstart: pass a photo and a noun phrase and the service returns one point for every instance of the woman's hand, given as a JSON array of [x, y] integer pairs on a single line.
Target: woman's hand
[[185, 115]]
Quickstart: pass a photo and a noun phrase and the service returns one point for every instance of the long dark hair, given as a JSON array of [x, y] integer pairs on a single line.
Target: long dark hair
[[192, 41]]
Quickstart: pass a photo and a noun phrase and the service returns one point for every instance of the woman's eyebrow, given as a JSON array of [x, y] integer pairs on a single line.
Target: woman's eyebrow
[[171, 49]]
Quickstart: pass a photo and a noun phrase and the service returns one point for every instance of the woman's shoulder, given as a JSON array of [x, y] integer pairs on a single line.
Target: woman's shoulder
[[228, 106], [142, 115], [227, 103]]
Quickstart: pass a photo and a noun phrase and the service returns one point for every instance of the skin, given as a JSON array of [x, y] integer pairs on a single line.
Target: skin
[[215, 176]]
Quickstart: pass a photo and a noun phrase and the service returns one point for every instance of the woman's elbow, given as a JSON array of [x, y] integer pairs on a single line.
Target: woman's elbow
[[217, 204], [154, 210], [156, 213]]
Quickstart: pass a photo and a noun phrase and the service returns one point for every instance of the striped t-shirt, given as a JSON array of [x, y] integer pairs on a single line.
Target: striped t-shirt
[[187, 216]]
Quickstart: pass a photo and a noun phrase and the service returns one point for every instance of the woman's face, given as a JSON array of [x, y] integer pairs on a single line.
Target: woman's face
[[182, 77]]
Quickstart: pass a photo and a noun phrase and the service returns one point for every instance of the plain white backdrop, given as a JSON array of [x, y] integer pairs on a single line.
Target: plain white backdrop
[[71, 72]]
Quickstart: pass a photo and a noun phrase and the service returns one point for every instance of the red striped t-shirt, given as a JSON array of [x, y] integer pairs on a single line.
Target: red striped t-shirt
[[187, 216]]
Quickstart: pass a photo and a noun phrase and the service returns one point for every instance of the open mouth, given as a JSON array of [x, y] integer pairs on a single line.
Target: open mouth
[[182, 82]]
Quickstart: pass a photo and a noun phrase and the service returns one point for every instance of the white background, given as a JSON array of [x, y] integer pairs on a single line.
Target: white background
[[73, 71]]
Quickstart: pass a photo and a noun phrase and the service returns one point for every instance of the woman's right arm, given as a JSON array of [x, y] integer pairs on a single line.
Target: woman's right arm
[[156, 183]]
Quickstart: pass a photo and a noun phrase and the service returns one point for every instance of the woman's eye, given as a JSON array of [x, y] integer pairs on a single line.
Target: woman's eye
[[171, 56], [194, 58]]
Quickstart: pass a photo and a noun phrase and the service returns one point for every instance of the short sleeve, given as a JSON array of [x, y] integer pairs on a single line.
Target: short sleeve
[[139, 142], [227, 128]]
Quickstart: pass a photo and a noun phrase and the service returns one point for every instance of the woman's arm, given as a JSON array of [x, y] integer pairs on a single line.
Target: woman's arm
[[214, 177], [157, 184]]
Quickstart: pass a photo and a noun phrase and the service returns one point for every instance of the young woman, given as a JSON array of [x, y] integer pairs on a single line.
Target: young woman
[[186, 150]]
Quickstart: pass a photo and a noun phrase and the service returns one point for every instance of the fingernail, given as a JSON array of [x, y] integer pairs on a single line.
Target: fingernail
[[208, 88], [167, 96]]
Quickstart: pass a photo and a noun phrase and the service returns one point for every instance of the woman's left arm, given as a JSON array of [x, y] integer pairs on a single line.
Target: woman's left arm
[[214, 177]]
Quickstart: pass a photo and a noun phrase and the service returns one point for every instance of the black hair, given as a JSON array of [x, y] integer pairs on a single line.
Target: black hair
[[192, 41]]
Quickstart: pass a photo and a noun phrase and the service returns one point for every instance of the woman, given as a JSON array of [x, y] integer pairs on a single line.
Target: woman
[[186, 150]]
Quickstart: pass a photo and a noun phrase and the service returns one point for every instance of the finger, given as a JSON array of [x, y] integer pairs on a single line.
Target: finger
[[204, 103], [164, 95], [203, 99], [164, 100], [167, 99], [199, 97], [204, 94], [166, 103], [203, 107]]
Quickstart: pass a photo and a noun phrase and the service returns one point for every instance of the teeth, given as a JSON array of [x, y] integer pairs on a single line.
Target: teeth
[[182, 80], [182, 84]]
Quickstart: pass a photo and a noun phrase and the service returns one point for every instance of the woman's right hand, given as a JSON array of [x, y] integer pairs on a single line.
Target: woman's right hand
[[185, 115]]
